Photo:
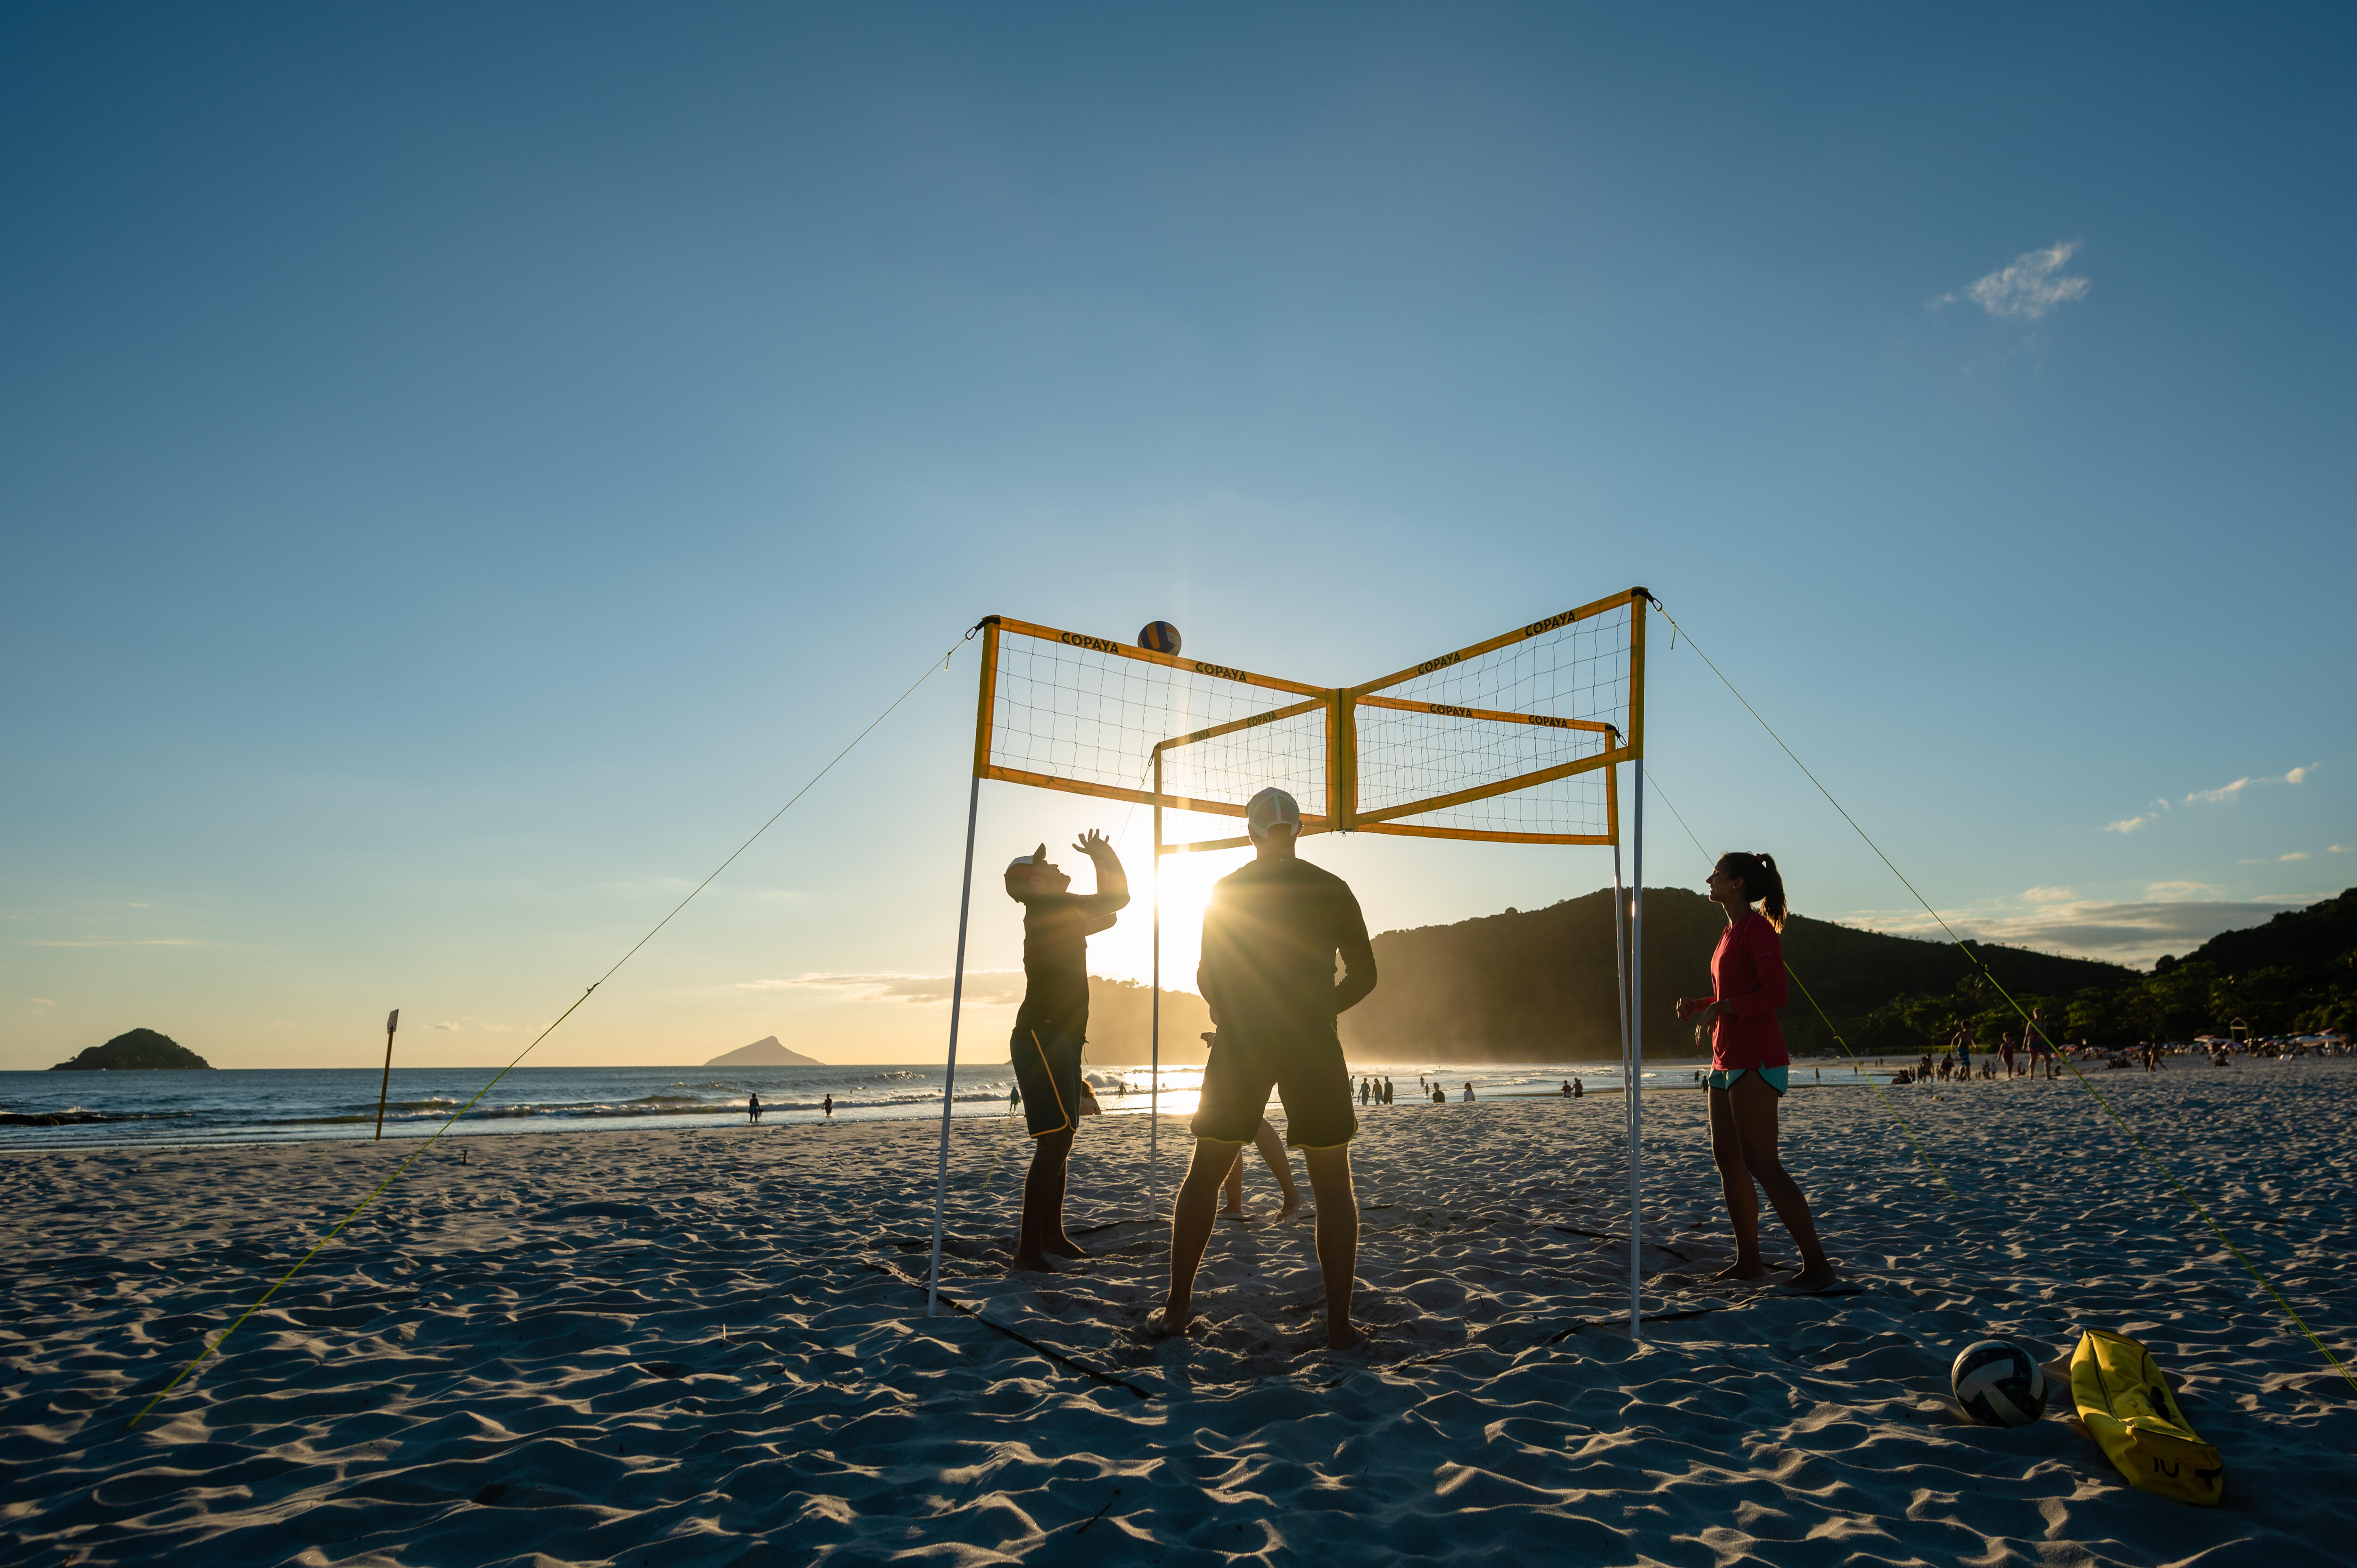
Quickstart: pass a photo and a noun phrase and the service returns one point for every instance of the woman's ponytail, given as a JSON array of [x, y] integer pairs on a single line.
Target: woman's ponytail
[[1762, 882], [1770, 888]]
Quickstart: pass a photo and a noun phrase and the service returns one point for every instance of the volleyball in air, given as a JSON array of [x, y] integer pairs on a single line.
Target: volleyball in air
[[1999, 1384], [1159, 637]]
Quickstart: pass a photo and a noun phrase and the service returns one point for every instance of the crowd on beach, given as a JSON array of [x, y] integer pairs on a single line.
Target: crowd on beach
[[1963, 1058]]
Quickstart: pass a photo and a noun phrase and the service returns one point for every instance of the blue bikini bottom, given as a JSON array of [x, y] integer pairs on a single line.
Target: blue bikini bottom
[[1776, 1077]]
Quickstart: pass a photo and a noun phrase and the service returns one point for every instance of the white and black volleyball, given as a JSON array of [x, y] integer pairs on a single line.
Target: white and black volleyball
[[1999, 1384]]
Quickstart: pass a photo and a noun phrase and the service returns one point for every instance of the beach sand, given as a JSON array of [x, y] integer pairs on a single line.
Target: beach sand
[[686, 1348]]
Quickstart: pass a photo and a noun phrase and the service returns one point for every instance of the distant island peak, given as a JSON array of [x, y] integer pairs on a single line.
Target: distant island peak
[[764, 1052]]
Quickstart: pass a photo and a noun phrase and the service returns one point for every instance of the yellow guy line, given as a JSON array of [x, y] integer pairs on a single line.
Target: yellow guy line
[[1921, 1153], [399, 1170], [2194, 1203]]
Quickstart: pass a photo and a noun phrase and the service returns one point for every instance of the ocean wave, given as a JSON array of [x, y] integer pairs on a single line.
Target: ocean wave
[[77, 1117]]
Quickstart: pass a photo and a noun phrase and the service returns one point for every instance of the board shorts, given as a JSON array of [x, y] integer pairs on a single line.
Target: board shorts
[[1309, 1077], [1779, 1077], [1047, 1071]]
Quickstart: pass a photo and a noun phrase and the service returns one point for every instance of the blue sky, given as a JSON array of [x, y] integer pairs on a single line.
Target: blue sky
[[461, 470]]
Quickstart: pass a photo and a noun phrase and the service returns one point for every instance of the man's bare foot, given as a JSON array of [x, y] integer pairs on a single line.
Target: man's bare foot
[[1816, 1276], [1064, 1247], [1292, 1205], [1157, 1324], [1236, 1208], [1742, 1269], [1343, 1335]]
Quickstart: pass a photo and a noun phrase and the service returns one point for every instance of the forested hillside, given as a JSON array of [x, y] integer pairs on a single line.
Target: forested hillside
[[1537, 984]]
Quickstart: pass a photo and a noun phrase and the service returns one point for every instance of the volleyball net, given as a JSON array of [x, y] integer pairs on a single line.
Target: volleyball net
[[1512, 739]]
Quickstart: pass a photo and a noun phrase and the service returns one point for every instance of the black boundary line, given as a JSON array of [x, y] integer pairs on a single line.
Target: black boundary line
[[1600, 1236], [1055, 1356]]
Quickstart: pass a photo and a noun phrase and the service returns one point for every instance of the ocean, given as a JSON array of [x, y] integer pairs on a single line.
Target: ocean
[[263, 1105]]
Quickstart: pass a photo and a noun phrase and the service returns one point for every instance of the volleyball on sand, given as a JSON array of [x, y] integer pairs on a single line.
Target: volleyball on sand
[[1159, 637], [1999, 1384]]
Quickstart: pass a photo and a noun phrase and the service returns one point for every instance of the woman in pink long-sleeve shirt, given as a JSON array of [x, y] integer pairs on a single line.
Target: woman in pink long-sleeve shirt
[[1749, 1065]]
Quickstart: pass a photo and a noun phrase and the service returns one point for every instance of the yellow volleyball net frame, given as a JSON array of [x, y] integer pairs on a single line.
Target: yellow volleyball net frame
[[1518, 738]]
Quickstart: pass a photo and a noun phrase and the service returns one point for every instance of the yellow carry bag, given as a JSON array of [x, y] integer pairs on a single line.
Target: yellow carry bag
[[2130, 1412]]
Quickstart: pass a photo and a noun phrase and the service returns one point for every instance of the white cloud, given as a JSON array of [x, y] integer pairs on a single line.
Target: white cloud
[[2049, 895], [2341, 849], [2230, 791], [2296, 854], [42, 1004], [2175, 916], [2175, 890], [452, 1024], [111, 942], [2223, 791], [2025, 288], [984, 987], [2130, 824]]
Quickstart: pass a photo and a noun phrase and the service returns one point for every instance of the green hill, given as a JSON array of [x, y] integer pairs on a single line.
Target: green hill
[[140, 1049], [2296, 973], [1537, 984]]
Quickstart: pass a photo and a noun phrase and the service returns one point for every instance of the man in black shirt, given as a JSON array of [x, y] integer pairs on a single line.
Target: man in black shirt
[[1270, 936], [1051, 1025]]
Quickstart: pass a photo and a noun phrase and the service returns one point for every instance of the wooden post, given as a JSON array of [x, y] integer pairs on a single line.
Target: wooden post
[[392, 1022]]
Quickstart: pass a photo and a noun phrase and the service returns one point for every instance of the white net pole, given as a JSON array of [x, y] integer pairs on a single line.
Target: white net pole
[[1620, 986], [949, 1074], [1154, 1036], [1636, 1045]]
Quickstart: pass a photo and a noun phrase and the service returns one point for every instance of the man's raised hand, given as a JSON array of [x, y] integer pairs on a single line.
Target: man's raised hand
[[1093, 843]]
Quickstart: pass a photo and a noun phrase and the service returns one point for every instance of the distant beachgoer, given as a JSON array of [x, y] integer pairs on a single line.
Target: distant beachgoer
[[829, 1107], [1052, 1024], [1749, 1066], [1014, 1097], [2004, 1051], [1366, 1095], [1965, 1052], [1567, 1088], [1391, 1093], [1271, 934], [1437, 1097], [1271, 1151], [752, 1107], [1468, 1094], [1089, 1106], [1579, 1090]]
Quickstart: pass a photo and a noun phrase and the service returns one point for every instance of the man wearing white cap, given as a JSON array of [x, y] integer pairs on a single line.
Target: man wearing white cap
[[1051, 1025], [1271, 932]]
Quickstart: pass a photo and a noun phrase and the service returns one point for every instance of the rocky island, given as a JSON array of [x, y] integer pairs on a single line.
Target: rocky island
[[140, 1050]]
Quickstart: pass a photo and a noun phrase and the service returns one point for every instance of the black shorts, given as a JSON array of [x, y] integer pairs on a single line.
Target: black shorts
[[1047, 1071], [1309, 1075]]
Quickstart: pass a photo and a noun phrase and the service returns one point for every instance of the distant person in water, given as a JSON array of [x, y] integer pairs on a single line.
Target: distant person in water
[[1468, 1094], [1271, 935], [1749, 1066], [829, 1106], [1272, 1152], [752, 1107], [1052, 1026], [1438, 1098]]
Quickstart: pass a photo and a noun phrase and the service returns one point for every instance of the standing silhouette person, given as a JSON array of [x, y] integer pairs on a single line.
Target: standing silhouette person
[[1270, 936], [1749, 1066], [1051, 1027]]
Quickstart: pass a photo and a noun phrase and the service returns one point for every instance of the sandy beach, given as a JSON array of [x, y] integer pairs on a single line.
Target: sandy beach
[[664, 1347]]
